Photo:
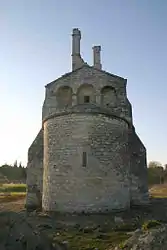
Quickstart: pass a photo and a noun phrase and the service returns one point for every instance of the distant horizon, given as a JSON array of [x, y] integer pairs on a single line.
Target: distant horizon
[[36, 49]]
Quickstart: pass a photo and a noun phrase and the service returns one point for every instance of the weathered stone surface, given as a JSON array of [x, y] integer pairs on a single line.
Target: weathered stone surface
[[154, 239], [138, 170], [103, 184], [87, 157], [114, 99], [35, 173]]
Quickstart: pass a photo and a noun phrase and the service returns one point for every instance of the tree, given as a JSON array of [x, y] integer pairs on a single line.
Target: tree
[[15, 164], [20, 166], [156, 173], [13, 173], [154, 164], [24, 173]]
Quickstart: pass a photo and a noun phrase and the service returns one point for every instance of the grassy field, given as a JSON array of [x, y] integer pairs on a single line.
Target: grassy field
[[12, 192], [159, 191], [12, 188]]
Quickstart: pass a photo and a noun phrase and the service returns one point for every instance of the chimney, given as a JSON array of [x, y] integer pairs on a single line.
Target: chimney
[[76, 37], [96, 57]]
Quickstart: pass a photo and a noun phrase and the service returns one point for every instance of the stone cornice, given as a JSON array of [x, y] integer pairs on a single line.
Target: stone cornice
[[86, 113]]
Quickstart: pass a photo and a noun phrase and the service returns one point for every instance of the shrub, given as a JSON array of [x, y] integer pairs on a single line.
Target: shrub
[[122, 245], [150, 224]]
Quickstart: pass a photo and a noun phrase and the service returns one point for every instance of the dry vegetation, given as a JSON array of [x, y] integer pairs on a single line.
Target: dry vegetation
[[159, 191]]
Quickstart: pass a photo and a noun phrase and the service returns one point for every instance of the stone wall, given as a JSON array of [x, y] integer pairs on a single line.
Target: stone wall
[[138, 170], [35, 172], [93, 160], [107, 94], [64, 97], [99, 184], [104, 86], [86, 90]]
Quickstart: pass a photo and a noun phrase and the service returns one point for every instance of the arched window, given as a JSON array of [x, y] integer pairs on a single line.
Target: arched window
[[108, 96], [85, 94], [64, 96]]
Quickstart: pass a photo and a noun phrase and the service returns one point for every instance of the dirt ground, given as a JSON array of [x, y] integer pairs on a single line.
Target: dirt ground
[[14, 206], [77, 231], [157, 209]]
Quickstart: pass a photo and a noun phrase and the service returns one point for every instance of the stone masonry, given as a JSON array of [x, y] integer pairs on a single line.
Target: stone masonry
[[87, 156]]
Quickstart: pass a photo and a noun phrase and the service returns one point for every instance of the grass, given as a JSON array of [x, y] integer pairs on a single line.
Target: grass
[[84, 241], [12, 192], [150, 224], [95, 238], [7, 188]]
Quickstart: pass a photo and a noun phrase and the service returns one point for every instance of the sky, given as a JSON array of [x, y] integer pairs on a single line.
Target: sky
[[35, 49]]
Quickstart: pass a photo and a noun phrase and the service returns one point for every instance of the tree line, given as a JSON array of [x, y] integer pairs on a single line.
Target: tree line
[[13, 173], [157, 173]]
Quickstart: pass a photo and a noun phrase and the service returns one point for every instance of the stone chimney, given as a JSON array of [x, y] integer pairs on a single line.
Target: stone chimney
[[96, 57], [76, 37], [77, 61]]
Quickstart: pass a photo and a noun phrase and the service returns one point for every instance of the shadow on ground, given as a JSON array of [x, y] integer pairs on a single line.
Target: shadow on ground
[[38, 231]]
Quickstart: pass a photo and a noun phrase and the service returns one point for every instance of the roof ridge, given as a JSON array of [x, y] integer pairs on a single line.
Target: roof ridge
[[85, 65]]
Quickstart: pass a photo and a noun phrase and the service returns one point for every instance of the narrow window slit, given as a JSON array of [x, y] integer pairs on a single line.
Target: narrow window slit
[[84, 159]]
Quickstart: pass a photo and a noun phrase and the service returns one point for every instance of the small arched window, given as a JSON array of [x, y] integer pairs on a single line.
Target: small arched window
[[108, 96], [64, 96], [85, 94]]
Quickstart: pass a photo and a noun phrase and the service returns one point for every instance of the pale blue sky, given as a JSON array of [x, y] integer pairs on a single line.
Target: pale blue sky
[[35, 48]]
